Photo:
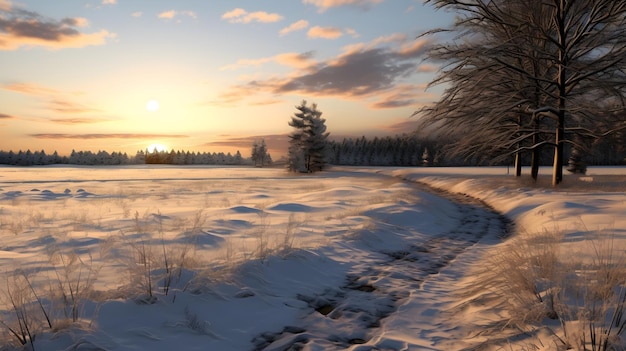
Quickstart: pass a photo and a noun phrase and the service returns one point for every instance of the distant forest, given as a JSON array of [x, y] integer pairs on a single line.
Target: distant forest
[[400, 150], [104, 158]]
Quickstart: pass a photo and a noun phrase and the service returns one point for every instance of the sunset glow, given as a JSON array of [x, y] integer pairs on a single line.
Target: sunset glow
[[208, 76], [157, 148], [152, 106]]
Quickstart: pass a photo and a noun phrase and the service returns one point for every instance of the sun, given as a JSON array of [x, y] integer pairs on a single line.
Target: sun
[[152, 106], [157, 148]]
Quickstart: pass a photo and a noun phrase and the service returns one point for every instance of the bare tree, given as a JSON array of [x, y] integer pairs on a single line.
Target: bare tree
[[487, 101], [518, 67]]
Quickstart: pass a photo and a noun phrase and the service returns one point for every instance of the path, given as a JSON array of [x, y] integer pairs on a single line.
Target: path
[[410, 287]]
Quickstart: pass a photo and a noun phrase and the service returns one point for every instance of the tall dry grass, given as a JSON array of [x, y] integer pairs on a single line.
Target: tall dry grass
[[541, 286]]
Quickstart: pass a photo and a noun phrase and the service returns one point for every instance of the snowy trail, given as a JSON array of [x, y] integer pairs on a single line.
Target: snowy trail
[[415, 286]]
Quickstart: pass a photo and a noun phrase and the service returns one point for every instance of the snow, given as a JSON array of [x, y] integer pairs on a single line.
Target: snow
[[352, 258]]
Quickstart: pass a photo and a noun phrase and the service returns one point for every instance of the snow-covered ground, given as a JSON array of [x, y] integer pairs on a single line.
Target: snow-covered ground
[[204, 258]]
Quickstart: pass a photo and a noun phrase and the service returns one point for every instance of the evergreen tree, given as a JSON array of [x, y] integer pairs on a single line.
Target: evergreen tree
[[576, 164], [307, 143], [259, 153]]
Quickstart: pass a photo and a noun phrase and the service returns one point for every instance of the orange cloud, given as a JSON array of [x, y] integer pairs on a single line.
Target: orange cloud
[[299, 25], [5, 116], [324, 5], [57, 101], [5, 5], [8, 42], [172, 13], [25, 28], [64, 106], [30, 89], [107, 136], [167, 14], [427, 68], [240, 15], [295, 60], [236, 13], [324, 32], [72, 121], [290, 59]]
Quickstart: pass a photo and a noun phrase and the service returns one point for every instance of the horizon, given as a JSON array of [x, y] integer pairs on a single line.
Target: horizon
[[123, 76]]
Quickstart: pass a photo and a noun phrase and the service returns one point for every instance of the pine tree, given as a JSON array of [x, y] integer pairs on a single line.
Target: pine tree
[[259, 153], [307, 143], [576, 164]]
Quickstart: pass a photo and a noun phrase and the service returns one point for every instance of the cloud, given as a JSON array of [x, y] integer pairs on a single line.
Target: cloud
[[406, 125], [427, 68], [356, 73], [240, 15], [109, 2], [299, 25], [167, 14], [20, 28], [324, 32], [29, 89], [290, 59], [64, 106], [57, 101], [137, 14], [233, 14], [353, 33], [324, 5], [107, 136], [73, 121], [296, 60], [173, 13], [5, 116], [376, 71], [5, 5], [402, 96]]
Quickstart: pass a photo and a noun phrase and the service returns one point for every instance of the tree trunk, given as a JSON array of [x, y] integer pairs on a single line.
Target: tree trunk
[[557, 174], [518, 164], [534, 163], [518, 157]]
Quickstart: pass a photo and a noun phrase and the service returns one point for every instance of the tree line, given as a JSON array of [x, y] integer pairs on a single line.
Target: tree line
[[399, 150], [89, 158]]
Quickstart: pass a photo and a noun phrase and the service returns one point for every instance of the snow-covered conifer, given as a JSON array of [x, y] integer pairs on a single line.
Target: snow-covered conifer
[[259, 153], [307, 143]]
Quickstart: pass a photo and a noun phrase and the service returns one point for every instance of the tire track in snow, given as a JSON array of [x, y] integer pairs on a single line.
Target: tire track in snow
[[356, 315]]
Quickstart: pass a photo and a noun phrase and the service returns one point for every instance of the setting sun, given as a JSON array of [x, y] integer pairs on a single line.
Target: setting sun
[[152, 106], [157, 148]]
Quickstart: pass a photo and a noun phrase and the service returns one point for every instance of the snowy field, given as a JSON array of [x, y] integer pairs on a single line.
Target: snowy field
[[203, 258]]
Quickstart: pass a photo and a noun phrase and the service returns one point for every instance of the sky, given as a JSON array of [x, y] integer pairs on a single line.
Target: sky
[[208, 76]]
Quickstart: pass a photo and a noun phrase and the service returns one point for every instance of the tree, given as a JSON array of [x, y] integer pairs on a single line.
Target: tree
[[576, 164], [307, 143], [259, 153], [425, 158], [519, 67]]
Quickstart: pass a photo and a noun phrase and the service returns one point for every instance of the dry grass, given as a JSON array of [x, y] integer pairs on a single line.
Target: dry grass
[[540, 285]]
